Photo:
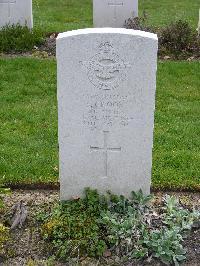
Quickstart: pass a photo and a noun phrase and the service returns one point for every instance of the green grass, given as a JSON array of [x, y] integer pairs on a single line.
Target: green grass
[[63, 15], [176, 160], [163, 12], [28, 137], [28, 117]]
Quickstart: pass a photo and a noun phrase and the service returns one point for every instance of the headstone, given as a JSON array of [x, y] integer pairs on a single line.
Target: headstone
[[113, 13], [16, 11], [106, 97]]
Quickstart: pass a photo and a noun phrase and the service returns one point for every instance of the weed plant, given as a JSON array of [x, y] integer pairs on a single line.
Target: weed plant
[[131, 229], [178, 37], [17, 38]]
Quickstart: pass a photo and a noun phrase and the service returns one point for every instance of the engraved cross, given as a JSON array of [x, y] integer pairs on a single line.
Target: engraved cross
[[115, 4], [105, 149], [9, 2]]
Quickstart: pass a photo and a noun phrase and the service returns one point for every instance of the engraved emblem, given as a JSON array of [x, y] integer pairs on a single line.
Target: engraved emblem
[[106, 70]]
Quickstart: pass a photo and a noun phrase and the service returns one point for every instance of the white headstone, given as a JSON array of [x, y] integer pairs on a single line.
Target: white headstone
[[113, 13], [16, 11], [106, 97]]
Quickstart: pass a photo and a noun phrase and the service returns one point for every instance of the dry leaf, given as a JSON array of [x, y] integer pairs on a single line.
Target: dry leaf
[[20, 213]]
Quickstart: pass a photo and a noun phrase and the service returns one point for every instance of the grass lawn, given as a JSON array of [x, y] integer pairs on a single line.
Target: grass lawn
[[28, 117], [63, 15], [28, 141], [176, 157]]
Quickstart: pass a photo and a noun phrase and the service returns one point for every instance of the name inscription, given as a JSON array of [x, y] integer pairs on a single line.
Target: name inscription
[[105, 111]]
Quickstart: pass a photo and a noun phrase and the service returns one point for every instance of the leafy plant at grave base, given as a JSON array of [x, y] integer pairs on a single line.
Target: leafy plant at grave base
[[177, 37], [125, 221], [135, 230], [17, 38], [177, 215], [73, 229], [129, 228], [164, 244], [139, 23]]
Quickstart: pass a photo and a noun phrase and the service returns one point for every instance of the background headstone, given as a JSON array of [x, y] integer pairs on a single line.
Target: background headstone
[[113, 13], [16, 11], [106, 97]]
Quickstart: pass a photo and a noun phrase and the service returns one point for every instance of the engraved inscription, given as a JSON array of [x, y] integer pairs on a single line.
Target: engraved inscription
[[105, 149], [105, 111], [115, 4], [106, 70], [9, 2]]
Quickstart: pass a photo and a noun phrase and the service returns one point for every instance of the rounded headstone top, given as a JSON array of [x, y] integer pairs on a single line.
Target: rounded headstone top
[[138, 33]]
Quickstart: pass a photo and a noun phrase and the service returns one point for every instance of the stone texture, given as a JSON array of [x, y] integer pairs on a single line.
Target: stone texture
[[113, 13], [16, 11], [106, 98]]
